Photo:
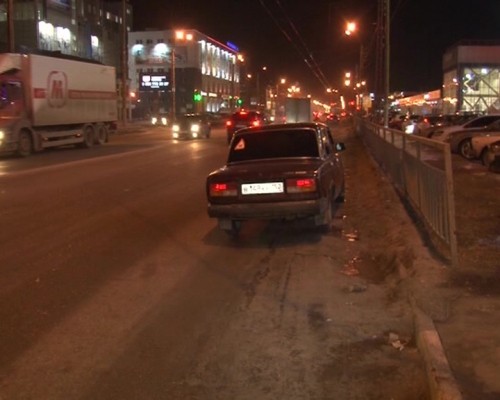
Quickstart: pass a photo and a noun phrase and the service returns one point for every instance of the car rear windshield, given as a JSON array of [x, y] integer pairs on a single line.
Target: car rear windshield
[[274, 144], [244, 117]]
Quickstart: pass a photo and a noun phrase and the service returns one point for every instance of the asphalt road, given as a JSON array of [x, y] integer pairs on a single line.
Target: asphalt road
[[114, 283]]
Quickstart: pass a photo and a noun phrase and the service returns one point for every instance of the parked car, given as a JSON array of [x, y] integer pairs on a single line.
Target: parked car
[[460, 142], [415, 124], [191, 126], [480, 146], [244, 119], [396, 121], [284, 171], [491, 156], [442, 134]]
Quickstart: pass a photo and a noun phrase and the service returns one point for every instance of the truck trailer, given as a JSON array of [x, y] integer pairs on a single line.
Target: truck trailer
[[298, 109], [48, 101]]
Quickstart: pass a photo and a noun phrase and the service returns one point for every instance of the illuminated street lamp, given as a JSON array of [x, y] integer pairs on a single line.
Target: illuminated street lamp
[[351, 27]]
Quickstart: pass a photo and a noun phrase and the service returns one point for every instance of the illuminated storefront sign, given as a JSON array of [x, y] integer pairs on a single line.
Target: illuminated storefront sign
[[153, 82]]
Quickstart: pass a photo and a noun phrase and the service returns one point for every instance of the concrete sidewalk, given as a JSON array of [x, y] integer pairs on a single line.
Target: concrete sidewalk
[[457, 310]]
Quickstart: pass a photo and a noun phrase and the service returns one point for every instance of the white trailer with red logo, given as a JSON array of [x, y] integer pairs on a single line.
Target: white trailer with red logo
[[48, 101]]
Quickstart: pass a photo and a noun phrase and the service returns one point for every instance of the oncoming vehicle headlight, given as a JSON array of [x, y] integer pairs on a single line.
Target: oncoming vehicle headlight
[[176, 128], [154, 120], [195, 128], [164, 121]]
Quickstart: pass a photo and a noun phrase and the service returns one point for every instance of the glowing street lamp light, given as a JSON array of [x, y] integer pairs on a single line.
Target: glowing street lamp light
[[351, 27]]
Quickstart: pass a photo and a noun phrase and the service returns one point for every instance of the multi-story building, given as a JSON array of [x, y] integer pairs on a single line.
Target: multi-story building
[[88, 29], [186, 71]]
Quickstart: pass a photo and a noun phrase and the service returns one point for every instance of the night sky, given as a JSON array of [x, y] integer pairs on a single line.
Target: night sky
[[281, 34]]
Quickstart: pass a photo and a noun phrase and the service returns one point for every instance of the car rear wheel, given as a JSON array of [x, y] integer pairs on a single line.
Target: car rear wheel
[[231, 227], [324, 220], [465, 149], [486, 157]]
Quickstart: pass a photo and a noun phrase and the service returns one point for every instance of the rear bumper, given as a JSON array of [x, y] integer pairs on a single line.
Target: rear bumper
[[275, 210]]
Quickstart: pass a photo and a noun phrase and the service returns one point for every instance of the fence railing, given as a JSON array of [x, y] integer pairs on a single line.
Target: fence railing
[[421, 171]]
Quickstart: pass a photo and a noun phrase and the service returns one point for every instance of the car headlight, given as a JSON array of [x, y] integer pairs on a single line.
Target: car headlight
[[176, 128], [2, 135], [154, 120], [195, 128], [164, 121], [410, 128]]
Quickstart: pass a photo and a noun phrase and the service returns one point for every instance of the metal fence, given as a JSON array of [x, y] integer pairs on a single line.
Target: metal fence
[[421, 171]]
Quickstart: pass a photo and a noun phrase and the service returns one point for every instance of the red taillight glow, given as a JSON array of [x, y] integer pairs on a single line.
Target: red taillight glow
[[256, 122], [223, 189], [228, 123], [301, 185]]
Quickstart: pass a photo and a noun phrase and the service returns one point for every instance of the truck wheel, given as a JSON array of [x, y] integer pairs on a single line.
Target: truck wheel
[[88, 137], [25, 145], [102, 135]]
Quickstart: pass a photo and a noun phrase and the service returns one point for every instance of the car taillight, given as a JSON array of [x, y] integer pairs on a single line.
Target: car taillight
[[303, 185], [223, 189], [229, 123], [256, 122]]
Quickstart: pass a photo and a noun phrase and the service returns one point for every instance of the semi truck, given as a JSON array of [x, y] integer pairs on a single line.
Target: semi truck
[[49, 101], [298, 109]]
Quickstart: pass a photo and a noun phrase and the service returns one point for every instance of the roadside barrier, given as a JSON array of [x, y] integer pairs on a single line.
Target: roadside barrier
[[421, 171]]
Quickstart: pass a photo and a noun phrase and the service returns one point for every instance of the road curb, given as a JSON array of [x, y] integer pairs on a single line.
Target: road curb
[[442, 383]]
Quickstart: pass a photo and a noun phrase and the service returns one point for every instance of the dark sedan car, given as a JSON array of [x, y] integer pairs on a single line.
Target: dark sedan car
[[244, 119], [285, 171], [191, 126]]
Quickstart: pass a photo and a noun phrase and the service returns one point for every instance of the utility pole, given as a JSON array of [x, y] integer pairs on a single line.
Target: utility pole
[[10, 28], [124, 75], [172, 56], [387, 59]]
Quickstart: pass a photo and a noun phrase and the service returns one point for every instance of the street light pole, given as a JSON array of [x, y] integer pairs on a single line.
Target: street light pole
[[124, 60], [387, 60], [172, 56], [10, 26]]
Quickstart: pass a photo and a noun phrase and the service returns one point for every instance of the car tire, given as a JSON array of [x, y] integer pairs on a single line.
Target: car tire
[[465, 149], [486, 157], [234, 230], [326, 217], [341, 197]]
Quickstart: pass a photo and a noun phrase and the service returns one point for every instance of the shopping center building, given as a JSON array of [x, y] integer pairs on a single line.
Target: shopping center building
[[471, 82], [182, 70]]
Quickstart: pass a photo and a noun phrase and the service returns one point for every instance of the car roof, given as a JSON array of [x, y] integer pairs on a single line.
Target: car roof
[[282, 127]]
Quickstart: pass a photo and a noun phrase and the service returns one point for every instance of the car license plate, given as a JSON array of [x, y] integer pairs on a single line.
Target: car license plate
[[262, 188]]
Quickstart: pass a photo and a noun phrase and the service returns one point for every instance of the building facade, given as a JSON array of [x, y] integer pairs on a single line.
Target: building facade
[[181, 72], [471, 81], [90, 29]]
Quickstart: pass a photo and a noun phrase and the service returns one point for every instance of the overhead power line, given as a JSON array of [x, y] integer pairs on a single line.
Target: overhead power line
[[290, 32]]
